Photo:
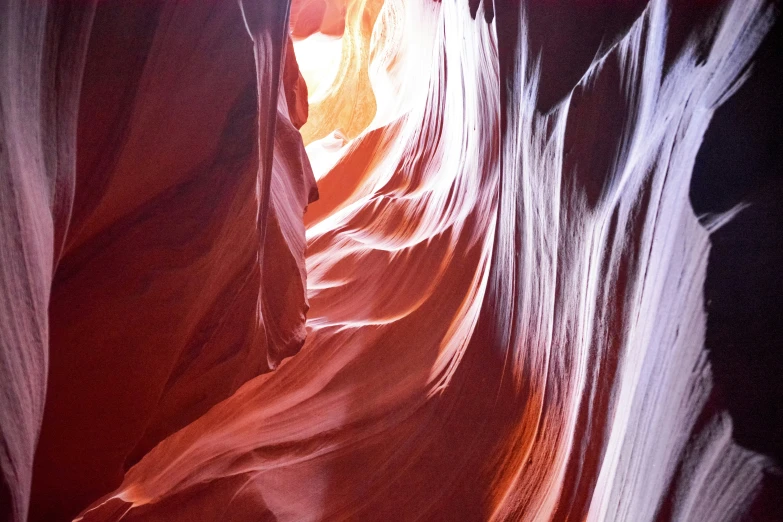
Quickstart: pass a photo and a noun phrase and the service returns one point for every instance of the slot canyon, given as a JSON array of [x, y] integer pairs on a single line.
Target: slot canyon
[[391, 260]]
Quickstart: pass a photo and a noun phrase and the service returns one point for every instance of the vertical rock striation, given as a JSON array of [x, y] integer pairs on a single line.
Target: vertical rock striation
[[500, 310], [152, 230]]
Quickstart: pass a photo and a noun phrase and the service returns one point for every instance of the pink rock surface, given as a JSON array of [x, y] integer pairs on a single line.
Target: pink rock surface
[[500, 307], [168, 250]]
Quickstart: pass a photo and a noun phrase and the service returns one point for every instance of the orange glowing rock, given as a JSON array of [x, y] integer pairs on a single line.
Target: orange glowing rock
[[493, 305], [494, 308]]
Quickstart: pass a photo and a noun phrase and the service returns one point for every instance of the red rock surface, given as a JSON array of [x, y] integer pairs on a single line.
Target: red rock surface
[[163, 297], [500, 307], [318, 16]]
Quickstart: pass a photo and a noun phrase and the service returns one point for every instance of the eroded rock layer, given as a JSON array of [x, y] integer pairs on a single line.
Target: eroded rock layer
[[168, 249], [503, 281]]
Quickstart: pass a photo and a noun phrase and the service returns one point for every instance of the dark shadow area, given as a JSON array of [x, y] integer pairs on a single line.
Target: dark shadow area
[[6, 509], [740, 162]]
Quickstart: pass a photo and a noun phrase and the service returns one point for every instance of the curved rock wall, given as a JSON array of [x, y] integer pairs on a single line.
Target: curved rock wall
[[500, 308]]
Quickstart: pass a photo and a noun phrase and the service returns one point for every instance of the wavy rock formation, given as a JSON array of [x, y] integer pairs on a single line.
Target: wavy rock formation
[[503, 280], [169, 251]]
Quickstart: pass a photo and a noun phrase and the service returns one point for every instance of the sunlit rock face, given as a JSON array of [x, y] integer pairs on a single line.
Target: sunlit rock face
[[500, 308]]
